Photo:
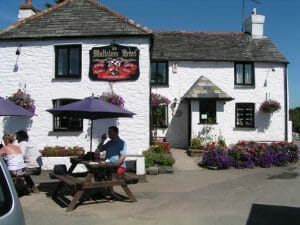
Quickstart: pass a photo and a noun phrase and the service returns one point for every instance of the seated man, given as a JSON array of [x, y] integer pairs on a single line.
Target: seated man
[[115, 148], [32, 157]]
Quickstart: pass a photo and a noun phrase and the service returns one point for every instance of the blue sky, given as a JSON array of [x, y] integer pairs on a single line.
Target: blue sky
[[282, 22]]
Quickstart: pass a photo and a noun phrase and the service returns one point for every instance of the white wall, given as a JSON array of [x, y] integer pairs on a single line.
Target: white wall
[[222, 74], [36, 69]]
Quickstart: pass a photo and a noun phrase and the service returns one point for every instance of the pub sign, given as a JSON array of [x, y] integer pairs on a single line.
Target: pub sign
[[114, 63]]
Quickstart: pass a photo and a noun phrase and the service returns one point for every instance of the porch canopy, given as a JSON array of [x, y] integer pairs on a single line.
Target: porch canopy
[[203, 88]]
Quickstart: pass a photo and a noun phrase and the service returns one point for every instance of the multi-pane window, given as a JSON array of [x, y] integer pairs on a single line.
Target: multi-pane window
[[160, 116], [244, 114], [68, 61], [159, 73], [244, 74], [207, 111], [64, 123]]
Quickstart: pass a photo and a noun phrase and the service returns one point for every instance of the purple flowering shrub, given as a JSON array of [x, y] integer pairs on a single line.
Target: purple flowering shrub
[[112, 98], [216, 157], [251, 154], [158, 100], [22, 99]]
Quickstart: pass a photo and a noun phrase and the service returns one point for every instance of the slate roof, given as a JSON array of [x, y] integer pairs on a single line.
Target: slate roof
[[203, 88], [210, 46], [74, 18]]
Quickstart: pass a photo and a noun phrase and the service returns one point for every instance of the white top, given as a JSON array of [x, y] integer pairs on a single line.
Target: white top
[[15, 161], [32, 156]]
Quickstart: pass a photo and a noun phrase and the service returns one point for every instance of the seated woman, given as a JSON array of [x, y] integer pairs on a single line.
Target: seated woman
[[13, 156]]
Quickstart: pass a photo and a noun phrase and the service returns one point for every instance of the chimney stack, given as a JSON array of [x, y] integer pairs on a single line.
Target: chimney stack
[[26, 10], [255, 25]]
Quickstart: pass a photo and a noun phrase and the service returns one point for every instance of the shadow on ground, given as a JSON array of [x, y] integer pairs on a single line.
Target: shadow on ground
[[66, 193], [284, 175], [273, 215]]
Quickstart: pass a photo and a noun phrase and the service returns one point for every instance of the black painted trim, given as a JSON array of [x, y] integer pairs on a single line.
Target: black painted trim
[[68, 76]]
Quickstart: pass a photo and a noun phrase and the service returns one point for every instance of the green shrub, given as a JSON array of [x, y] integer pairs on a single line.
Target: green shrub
[[221, 142], [152, 158], [196, 143]]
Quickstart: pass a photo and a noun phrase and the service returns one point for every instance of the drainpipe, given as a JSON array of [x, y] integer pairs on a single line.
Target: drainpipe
[[285, 103]]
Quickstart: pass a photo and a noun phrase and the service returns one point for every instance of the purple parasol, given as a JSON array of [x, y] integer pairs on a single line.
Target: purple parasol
[[91, 108], [8, 108]]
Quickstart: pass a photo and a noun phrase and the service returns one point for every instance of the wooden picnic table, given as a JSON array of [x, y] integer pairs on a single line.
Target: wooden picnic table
[[100, 175]]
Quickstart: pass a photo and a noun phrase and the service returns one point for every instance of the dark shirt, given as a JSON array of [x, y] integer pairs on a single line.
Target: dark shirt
[[114, 149]]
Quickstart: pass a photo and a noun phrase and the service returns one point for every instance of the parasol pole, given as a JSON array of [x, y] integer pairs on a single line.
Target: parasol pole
[[91, 144]]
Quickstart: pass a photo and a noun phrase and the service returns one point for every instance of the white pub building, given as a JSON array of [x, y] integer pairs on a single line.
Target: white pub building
[[79, 47]]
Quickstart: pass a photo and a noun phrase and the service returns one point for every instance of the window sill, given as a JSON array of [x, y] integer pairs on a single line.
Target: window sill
[[244, 128], [236, 86], [207, 123], [66, 79], [160, 128], [64, 133], [159, 85]]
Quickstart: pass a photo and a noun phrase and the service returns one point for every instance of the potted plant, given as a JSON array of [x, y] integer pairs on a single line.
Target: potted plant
[[61, 155], [196, 147], [269, 106]]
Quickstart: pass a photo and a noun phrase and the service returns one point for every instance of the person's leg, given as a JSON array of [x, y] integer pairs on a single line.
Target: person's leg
[[33, 171]]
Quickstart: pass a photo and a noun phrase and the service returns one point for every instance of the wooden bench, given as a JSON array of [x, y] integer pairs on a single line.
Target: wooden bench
[[27, 180], [130, 178], [68, 180]]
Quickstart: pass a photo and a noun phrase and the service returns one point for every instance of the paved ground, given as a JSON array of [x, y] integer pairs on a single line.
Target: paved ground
[[190, 196]]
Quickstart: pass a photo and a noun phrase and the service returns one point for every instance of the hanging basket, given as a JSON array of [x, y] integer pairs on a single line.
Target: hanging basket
[[112, 98], [22, 99], [269, 106]]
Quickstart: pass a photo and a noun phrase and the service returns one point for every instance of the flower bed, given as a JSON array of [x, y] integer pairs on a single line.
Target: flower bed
[[58, 151], [250, 154]]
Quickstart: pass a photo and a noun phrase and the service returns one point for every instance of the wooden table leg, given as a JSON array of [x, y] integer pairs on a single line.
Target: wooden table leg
[[129, 193], [72, 167], [74, 201], [58, 187]]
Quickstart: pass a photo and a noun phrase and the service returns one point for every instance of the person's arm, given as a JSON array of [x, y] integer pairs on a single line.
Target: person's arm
[[122, 155], [2, 151], [102, 147]]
